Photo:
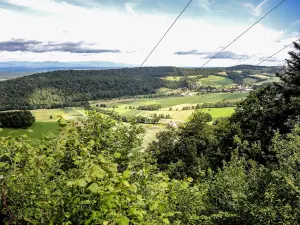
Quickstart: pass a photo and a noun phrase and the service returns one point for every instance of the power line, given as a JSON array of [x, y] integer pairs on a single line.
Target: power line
[[166, 32], [283, 67], [243, 33], [274, 54]]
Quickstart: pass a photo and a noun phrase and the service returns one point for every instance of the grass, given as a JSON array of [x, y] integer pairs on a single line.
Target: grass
[[259, 76], [43, 123], [39, 129], [173, 101], [216, 81], [249, 81], [219, 112]]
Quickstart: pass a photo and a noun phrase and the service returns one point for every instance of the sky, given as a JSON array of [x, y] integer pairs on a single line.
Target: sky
[[125, 31]]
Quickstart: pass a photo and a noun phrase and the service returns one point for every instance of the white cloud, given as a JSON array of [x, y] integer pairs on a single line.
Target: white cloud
[[134, 34], [130, 8], [256, 10]]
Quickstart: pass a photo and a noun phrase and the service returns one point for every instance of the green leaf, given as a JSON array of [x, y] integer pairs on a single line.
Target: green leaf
[[123, 221], [92, 143], [101, 158], [133, 188], [126, 183], [166, 221], [30, 131], [117, 155], [126, 174], [1, 129], [67, 214], [94, 188], [81, 182], [190, 179]]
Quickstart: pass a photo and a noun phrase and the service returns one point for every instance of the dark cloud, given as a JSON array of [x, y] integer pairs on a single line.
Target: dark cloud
[[222, 55], [272, 59], [40, 47]]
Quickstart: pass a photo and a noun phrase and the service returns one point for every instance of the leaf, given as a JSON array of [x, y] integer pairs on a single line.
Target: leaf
[[67, 215], [190, 179], [164, 184], [81, 182], [94, 188], [101, 158], [1, 129], [117, 155], [92, 143], [30, 131], [123, 221], [126, 183], [153, 206], [126, 174], [166, 221], [133, 188]]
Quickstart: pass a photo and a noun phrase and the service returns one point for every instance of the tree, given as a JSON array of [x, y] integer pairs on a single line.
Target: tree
[[182, 152], [77, 178], [291, 75], [16, 119], [273, 108]]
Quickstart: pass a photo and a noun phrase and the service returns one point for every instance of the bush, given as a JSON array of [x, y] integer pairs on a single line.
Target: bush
[[17, 119]]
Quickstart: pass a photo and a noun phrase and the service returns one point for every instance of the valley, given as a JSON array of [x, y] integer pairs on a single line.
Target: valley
[[177, 96]]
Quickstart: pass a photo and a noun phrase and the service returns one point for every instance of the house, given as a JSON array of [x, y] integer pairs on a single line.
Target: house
[[173, 124]]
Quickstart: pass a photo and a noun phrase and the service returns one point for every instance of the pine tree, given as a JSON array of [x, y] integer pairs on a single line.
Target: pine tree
[[291, 75]]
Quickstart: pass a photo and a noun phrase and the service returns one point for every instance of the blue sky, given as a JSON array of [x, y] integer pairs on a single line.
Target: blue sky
[[125, 31]]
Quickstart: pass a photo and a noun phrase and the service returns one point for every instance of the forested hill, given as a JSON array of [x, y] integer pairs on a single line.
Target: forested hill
[[74, 87]]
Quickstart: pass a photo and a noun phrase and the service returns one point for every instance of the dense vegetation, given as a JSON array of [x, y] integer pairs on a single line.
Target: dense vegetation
[[240, 170], [16, 119]]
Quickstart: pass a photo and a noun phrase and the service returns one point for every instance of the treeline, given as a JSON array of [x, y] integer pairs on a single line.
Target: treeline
[[210, 105], [222, 104], [16, 119], [154, 107]]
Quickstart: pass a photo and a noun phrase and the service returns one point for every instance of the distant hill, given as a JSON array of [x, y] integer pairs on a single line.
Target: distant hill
[[74, 87], [266, 69]]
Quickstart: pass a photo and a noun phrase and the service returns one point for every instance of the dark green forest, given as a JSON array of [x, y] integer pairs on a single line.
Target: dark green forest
[[244, 169]]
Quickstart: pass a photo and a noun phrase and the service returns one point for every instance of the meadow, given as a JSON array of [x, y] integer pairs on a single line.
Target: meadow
[[46, 119], [172, 106], [216, 81], [44, 124]]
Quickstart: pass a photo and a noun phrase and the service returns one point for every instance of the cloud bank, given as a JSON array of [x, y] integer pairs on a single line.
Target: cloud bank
[[222, 55], [41, 47]]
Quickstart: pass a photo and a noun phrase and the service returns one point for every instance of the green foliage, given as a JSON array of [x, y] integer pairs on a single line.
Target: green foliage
[[89, 175], [16, 119], [181, 152]]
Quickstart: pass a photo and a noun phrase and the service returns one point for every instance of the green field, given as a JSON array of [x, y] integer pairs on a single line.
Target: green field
[[44, 124], [38, 130], [216, 81], [178, 100], [219, 112]]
